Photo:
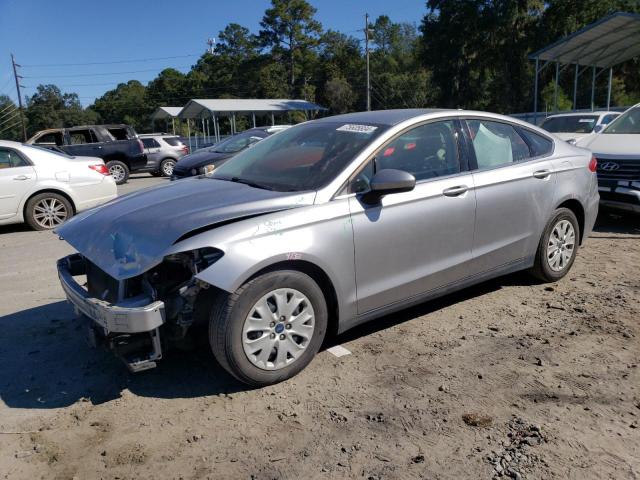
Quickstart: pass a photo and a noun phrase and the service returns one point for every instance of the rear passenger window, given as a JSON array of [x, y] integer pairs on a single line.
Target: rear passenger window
[[540, 145], [496, 144], [79, 137], [150, 143], [10, 159], [427, 151]]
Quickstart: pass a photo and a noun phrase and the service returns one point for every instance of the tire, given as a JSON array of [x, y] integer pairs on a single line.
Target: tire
[[47, 211], [549, 266], [166, 167], [231, 331], [119, 171]]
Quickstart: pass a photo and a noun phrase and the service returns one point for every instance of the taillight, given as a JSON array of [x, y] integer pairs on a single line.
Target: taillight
[[141, 146], [100, 168], [185, 149], [593, 164]]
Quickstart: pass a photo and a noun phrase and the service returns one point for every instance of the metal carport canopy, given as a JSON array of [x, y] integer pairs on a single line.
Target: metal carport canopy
[[607, 42], [601, 45], [162, 113], [194, 108]]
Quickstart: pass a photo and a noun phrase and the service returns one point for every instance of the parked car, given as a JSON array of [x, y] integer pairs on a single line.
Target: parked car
[[617, 149], [122, 153], [45, 188], [573, 126], [324, 226], [163, 152], [206, 160]]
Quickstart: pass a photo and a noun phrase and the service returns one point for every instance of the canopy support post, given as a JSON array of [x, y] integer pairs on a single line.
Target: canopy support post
[[535, 94], [189, 134], [575, 87], [253, 116], [173, 124], [609, 88], [555, 90], [593, 88], [273, 119]]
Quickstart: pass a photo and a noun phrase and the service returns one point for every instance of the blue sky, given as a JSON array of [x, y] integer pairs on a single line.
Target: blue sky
[[48, 32]]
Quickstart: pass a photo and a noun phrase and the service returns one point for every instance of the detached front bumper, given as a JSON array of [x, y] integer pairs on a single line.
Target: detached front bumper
[[122, 324]]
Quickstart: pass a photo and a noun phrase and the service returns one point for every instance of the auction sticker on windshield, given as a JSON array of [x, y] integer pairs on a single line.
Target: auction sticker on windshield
[[351, 127]]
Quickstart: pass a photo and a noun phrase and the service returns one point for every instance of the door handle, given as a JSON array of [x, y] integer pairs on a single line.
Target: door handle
[[22, 177], [542, 174], [455, 191]]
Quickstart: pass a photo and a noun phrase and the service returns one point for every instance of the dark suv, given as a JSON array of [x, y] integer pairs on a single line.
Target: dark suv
[[118, 145]]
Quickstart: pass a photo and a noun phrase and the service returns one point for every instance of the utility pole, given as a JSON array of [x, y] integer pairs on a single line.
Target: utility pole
[[16, 76], [366, 48]]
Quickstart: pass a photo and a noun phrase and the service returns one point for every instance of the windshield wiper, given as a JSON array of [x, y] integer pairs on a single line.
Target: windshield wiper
[[250, 183]]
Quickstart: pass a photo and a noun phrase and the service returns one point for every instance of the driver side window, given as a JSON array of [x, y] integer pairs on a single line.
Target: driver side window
[[426, 151]]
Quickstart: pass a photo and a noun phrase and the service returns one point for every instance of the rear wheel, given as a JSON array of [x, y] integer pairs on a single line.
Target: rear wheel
[[270, 328], [166, 167], [119, 171], [558, 246], [46, 211]]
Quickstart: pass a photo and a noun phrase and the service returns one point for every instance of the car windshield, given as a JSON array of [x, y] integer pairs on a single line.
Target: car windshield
[[236, 143], [628, 122], [304, 157], [571, 124]]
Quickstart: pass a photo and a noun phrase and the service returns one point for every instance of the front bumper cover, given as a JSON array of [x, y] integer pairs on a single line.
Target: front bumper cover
[[122, 318]]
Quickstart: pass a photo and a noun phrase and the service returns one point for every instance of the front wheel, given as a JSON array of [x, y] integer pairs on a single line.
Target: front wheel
[[46, 211], [119, 171], [558, 246], [166, 167], [270, 328]]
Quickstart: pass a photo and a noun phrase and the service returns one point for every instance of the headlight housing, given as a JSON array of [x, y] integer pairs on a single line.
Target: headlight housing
[[207, 169]]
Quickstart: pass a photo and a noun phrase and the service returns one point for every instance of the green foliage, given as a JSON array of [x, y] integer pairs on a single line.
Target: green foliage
[[548, 99], [463, 54]]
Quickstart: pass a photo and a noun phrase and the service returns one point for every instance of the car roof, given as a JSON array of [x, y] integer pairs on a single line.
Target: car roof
[[384, 117], [582, 114], [10, 144]]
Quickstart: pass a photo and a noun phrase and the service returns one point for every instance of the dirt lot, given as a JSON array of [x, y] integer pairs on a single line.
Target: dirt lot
[[536, 381]]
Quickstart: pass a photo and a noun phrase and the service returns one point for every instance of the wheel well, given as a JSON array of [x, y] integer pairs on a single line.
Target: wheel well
[[48, 190], [576, 207], [320, 277]]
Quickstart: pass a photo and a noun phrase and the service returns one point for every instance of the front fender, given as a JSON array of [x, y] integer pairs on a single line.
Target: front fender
[[320, 234]]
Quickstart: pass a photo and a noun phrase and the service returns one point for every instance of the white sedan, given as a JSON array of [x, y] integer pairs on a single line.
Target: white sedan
[[44, 188]]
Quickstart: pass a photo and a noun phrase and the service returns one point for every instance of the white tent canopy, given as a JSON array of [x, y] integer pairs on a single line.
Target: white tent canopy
[[163, 113], [227, 106]]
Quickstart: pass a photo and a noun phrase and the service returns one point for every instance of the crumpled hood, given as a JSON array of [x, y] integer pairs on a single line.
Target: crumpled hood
[[130, 234]]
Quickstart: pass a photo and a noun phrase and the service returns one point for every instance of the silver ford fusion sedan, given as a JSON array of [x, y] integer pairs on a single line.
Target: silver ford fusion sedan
[[324, 226]]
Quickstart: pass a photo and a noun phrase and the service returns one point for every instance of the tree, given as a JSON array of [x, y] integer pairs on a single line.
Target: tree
[[237, 42], [290, 31], [339, 95], [125, 104], [548, 97], [50, 108], [10, 126]]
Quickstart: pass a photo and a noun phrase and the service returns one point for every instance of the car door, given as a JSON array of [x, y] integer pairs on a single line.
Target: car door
[[414, 242], [83, 142], [17, 177], [514, 194], [153, 151]]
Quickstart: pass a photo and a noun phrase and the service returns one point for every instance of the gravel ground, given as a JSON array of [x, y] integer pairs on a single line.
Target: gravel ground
[[510, 378]]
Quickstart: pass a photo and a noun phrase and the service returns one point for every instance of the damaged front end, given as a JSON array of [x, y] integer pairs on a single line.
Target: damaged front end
[[140, 316]]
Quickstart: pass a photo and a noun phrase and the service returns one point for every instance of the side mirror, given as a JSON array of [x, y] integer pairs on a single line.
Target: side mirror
[[386, 182]]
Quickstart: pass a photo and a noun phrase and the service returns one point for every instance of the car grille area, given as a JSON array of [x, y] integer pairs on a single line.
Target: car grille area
[[100, 284], [618, 169]]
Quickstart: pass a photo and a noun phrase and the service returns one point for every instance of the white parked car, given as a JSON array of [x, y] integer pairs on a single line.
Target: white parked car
[[573, 126], [617, 149], [44, 187]]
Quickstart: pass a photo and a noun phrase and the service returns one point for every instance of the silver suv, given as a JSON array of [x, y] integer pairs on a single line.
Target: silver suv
[[163, 152]]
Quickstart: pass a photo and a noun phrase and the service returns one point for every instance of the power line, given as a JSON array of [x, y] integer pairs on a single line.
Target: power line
[[138, 60], [105, 73], [10, 119], [10, 126], [9, 112]]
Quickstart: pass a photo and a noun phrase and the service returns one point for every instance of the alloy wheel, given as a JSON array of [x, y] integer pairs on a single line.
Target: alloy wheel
[[167, 167], [117, 172], [278, 329], [561, 245], [50, 212]]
